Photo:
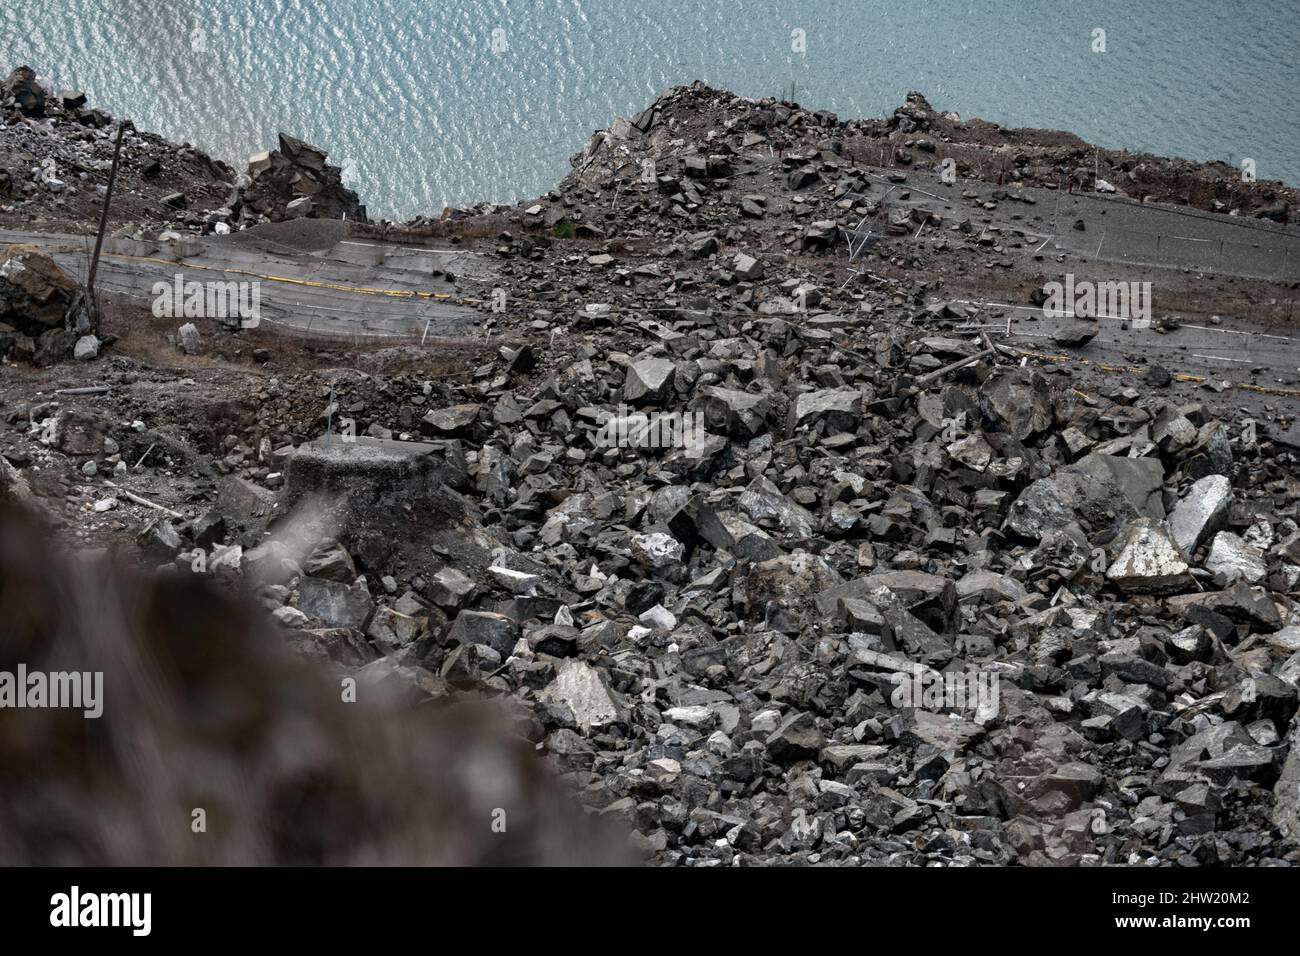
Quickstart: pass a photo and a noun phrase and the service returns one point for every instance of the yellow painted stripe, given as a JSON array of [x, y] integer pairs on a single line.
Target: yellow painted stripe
[[1138, 370]]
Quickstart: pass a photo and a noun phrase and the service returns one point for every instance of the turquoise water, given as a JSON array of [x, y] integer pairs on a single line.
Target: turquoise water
[[425, 103]]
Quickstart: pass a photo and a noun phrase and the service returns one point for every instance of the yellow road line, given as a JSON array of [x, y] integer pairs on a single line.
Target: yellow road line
[[1138, 370]]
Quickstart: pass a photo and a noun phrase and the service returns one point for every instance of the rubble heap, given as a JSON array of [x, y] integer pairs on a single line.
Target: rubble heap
[[56, 152], [706, 637], [294, 182], [728, 525]]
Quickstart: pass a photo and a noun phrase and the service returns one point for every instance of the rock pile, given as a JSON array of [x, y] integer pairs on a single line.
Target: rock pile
[[295, 182], [55, 155], [709, 639], [42, 314], [23, 95], [777, 563]]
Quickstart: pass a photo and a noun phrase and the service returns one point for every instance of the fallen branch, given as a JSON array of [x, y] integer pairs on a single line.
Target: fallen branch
[[991, 345], [144, 456], [938, 373], [132, 496]]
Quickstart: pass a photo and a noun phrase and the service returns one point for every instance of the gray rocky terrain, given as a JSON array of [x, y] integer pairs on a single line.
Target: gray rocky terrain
[[738, 464]]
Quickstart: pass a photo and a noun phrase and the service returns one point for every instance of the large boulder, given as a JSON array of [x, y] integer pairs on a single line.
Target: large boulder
[[1140, 480], [26, 91], [1088, 494], [35, 294], [1017, 402]]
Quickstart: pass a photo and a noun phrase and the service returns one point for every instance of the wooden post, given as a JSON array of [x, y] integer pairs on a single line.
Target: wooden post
[[103, 216]]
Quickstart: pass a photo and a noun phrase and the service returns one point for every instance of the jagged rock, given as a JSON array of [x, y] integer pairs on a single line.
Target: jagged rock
[[657, 550], [188, 339], [1078, 782], [649, 381], [585, 691], [335, 604], [796, 738], [763, 501], [453, 420], [1201, 512], [86, 348], [470, 664], [747, 267], [1016, 402], [1212, 452], [290, 617], [939, 730], [1232, 559], [1286, 792], [1075, 336], [696, 523], [226, 560], [392, 630], [733, 412], [35, 294], [159, 539], [296, 173], [484, 627], [702, 245], [1190, 644], [52, 346], [907, 630], [1238, 603], [341, 645], [331, 562], [819, 235], [841, 408], [699, 717], [790, 580], [931, 598], [976, 586], [516, 582], [1053, 504], [28, 94], [1140, 480], [1148, 560]]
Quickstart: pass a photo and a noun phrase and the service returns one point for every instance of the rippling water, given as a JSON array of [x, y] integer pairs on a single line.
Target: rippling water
[[433, 102]]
